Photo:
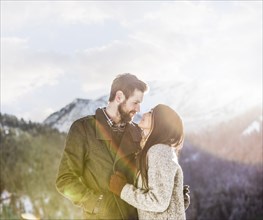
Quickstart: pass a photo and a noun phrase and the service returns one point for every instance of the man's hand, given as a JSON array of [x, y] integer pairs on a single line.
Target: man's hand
[[186, 196], [117, 182]]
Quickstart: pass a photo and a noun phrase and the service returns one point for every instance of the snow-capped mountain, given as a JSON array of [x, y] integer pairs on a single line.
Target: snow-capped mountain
[[76, 109], [201, 105]]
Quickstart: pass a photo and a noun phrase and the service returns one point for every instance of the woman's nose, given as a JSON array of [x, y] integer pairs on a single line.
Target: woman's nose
[[138, 108]]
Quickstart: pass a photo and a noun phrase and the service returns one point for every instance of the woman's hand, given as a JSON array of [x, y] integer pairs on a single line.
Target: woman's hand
[[117, 182], [186, 196]]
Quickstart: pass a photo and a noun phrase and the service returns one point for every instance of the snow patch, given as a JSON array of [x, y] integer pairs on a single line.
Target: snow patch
[[253, 127]]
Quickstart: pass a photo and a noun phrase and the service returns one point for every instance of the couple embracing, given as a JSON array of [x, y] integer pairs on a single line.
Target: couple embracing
[[116, 169]]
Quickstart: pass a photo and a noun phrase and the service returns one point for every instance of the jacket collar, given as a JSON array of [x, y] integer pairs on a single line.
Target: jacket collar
[[103, 130]]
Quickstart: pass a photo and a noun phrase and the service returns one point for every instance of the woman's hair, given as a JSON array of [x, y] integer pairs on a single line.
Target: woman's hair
[[167, 128], [127, 83]]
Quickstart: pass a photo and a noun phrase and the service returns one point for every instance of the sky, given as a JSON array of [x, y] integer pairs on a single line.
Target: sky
[[53, 52]]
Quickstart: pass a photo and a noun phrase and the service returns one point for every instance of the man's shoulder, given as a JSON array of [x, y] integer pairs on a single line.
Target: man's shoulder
[[89, 119], [85, 118]]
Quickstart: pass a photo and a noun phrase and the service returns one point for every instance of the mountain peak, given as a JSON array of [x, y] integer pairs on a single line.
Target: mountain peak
[[201, 104], [78, 108]]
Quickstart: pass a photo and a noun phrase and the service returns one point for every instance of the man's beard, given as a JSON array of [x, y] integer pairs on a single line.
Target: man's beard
[[125, 116]]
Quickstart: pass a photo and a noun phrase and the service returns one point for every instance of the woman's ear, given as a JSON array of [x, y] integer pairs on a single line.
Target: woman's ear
[[120, 97]]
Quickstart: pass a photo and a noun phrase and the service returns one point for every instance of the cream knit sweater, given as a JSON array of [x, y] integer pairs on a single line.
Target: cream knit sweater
[[164, 199]]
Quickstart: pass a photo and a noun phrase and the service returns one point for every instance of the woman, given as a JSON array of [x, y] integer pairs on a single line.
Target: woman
[[159, 186]]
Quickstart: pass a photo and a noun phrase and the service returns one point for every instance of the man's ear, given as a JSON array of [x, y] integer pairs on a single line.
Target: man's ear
[[120, 97]]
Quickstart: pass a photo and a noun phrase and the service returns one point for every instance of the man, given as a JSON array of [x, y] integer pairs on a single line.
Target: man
[[97, 146]]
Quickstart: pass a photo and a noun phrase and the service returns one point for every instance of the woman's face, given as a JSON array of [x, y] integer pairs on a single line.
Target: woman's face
[[146, 121]]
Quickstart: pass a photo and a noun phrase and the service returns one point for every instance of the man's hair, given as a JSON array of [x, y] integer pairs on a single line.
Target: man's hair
[[126, 83]]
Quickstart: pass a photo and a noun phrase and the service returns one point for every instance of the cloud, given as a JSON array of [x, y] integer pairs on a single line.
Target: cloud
[[24, 70], [46, 42], [18, 15], [191, 41], [205, 40]]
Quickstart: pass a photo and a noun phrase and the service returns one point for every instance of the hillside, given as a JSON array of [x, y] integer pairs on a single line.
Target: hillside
[[221, 188], [30, 154], [239, 139]]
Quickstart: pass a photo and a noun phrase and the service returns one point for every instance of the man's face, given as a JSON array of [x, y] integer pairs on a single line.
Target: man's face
[[129, 107]]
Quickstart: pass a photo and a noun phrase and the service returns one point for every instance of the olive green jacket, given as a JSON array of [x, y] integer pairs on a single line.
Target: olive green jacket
[[89, 160]]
